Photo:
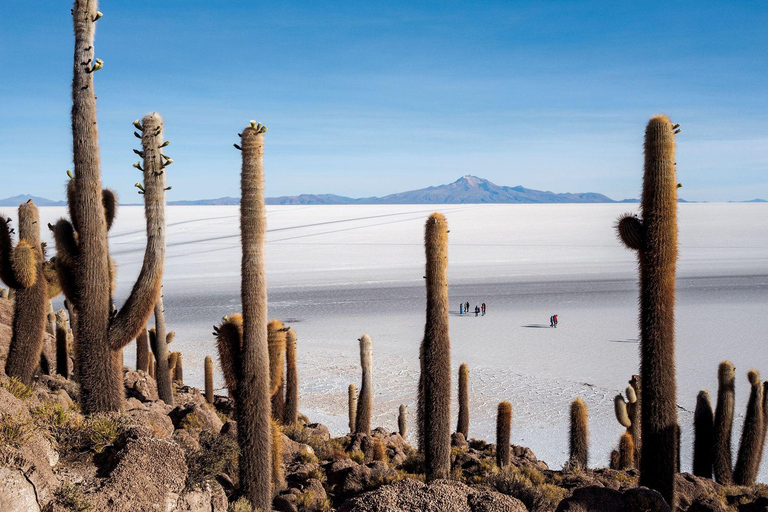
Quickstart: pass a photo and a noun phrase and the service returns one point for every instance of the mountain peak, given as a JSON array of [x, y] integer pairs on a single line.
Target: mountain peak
[[472, 181]]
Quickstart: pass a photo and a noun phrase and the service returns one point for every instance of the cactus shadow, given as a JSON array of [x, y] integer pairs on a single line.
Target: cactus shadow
[[537, 326]]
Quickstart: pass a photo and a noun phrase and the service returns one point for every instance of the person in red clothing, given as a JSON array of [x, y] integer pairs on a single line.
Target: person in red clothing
[[554, 320]]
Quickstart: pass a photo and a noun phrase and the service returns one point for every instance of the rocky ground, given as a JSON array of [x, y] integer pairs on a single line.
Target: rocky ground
[[153, 456]]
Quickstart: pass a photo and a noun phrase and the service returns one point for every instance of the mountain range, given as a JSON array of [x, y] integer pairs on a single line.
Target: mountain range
[[466, 190]]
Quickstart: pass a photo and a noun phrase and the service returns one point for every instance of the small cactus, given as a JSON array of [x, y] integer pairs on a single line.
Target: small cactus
[[503, 432], [62, 344], [726, 399], [463, 422], [626, 451], [579, 438], [704, 436], [142, 351], [402, 421], [208, 379], [748, 460], [276, 338], [278, 474], [179, 373], [291, 413], [352, 406], [365, 399]]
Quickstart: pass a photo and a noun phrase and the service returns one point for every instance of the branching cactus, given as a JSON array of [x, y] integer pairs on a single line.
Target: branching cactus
[[243, 348], [159, 339], [276, 340], [726, 400], [503, 433], [435, 355], [21, 268], [655, 240], [704, 436], [352, 406], [291, 414], [628, 413], [402, 420], [209, 379], [83, 262], [748, 460], [365, 399], [142, 351], [463, 423], [579, 438], [62, 344]]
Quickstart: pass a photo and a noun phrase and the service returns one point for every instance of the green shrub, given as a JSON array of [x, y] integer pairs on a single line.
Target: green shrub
[[15, 430], [217, 454], [70, 497], [18, 388], [536, 495]]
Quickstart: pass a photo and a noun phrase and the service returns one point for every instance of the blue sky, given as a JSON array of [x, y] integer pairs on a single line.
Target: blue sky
[[370, 98]]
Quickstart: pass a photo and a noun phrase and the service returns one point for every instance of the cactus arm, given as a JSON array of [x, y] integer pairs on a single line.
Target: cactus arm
[[135, 312], [7, 274], [109, 200], [67, 253], [620, 408], [24, 262], [630, 231], [157, 337], [229, 344]]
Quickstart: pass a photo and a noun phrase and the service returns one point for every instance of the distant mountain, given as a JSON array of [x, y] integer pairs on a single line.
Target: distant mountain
[[39, 201]]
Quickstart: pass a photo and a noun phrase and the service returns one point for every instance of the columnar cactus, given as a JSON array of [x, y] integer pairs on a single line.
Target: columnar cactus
[[435, 381], [462, 424], [62, 344], [243, 348], [704, 436], [152, 366], [655, 240], [276, 338], [159, 340], [179, 373], [402, 421], [21, 268], [748, 460], [352, 406], [365, 398], [765, 418], [726, 400], [628, 413], [626, 451], [278, 474], [503, 432], [83, 262], [142, 351], [291, 413], [208, 379], [579, 438]]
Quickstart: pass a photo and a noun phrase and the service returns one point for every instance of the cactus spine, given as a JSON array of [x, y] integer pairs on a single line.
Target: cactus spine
[[243, 348], [352, 406], [748, 460], [503, 432], [726, 399], [21, 268], [704, 436], [435, 380], [142, 351], [365, 399], [463, 422], [402, 421], [276, 340], [208, 379], [62, 344], [655, 240], [291, 414], [85, 263], [579, 439], [159, 341]]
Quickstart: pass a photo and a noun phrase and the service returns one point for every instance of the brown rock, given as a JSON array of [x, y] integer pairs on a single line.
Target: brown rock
[[139, 385], [458, 441], [206, 497], [691, 488]]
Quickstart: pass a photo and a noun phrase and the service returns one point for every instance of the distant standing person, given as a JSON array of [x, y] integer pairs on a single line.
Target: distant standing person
[[461, 309], [466, 307], [483, 308], [477, 310], [554, 319]]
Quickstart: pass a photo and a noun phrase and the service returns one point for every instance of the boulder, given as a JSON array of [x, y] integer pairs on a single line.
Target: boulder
[[32, 462], [206, 497], [196, 416], [17, 493], [458, 441], [139, 385], [293, 450], [691, 488], [440, 495], [602, 499], [711, 504]]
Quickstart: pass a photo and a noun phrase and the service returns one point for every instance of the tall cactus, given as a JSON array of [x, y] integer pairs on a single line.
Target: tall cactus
[[21, 268], [704, 436], [243, 348], [579, 438], [209, 379], [748, 460], [142, 351], [291, 413], [81, 244], [726, 400], [462, 424], [276, 340], [503, 432], [352, 406], [402, 420], [655, 240], [365, 399], [435, 353], [62, 344]]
